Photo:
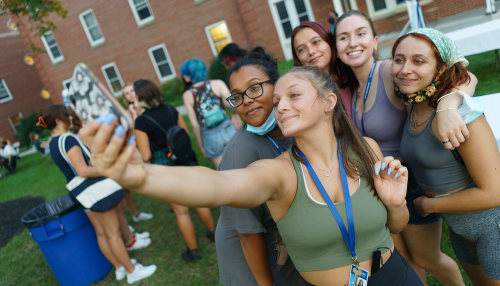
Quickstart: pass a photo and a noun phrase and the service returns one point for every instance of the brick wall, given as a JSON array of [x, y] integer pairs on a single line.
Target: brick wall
[[432, 11], [180, 25], [22, 80]]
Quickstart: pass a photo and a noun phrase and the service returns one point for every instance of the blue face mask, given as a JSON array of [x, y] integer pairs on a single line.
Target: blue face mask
[[471, 108], [265, 128]]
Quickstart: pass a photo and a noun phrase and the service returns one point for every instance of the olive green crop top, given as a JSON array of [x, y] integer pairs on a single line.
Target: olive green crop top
[[313, 238]]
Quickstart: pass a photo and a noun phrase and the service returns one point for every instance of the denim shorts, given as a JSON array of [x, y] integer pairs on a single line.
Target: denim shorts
[[413, 192], [216, 138]]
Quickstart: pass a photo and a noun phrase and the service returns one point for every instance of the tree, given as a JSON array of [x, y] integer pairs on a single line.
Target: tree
[[37, 11]]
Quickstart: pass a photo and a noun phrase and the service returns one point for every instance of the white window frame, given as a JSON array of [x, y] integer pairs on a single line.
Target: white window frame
[[2, 81], [93, 43], [391, 8], [103, 69], [285, 43], [143, 22], [12, 124], [211, 40], [64, 82], [49, 52], [155, 64]]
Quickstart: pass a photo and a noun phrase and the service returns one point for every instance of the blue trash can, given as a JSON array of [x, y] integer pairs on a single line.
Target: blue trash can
[[68, 241]]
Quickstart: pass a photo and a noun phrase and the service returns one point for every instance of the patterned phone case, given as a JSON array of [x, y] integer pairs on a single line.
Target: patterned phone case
[[90, 99]]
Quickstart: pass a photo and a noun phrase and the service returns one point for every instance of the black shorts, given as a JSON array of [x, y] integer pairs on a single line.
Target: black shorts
[[395, 271], [413, 192]]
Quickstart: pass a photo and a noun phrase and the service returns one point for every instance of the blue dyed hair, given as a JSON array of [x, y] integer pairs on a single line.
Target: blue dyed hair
[[194, 68]]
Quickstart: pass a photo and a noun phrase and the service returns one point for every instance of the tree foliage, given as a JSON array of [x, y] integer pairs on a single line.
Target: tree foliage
[[37, 11]]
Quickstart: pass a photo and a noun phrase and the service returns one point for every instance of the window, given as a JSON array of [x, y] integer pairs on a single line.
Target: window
[[5, 94], [381, 8], [218, 36], [113, 78], [287, 14], [66, 83], [52, 48], [15, 121], [91, 28], [142, 12], [162, 62]]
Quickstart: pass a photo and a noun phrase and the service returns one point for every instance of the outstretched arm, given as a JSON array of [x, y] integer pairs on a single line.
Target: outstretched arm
[[189, 104], [188, 186]]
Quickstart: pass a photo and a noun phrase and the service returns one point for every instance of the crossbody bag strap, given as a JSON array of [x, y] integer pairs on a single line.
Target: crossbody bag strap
[[62, 143], [159, 126]]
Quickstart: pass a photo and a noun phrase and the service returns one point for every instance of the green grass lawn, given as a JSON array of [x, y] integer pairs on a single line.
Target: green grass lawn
[[22, 263]]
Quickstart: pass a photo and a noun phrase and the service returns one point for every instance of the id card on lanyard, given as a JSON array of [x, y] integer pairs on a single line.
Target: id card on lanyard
[[367, 90], [357, 273]]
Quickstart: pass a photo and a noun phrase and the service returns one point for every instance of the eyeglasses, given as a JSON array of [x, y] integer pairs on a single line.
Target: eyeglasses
[[252, 92]]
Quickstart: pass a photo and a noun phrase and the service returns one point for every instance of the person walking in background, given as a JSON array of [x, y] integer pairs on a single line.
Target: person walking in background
[[332, 19], [152, 144], [72, 158], [230, 54], [462, 186], [42, 147], [9, 156], [205, 103]]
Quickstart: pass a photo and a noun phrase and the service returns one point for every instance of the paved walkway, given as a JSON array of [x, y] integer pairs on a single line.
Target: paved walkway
[[445, 25]]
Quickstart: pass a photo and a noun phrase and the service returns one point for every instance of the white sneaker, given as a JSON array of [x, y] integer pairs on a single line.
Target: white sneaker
[[141, 235], [140, 273], [121, 273], [140, 243], [142, 217], [131, 228]]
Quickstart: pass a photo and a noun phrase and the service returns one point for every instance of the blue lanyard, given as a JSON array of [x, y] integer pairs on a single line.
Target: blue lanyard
[[349, 237], [280, 150], [367, 90]]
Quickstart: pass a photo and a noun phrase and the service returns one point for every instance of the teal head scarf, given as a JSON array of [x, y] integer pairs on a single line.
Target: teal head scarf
[[447, 48]]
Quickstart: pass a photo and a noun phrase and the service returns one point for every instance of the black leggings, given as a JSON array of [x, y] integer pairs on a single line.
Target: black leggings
[[395, 271]]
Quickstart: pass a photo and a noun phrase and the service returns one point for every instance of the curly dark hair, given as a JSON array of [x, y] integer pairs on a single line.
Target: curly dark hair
[[260, 59]]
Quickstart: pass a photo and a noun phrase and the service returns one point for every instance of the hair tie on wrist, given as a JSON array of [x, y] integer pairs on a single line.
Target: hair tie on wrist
[[41, 123]]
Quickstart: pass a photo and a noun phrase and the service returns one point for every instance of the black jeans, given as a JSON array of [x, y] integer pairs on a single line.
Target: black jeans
[[395, 271], [13, 163]]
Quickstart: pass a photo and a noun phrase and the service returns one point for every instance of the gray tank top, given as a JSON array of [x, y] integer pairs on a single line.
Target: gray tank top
[[435, 168], [383, 122]]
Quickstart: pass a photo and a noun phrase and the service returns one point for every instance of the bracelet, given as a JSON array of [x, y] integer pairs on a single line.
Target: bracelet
[[446, 109], [439, 99]]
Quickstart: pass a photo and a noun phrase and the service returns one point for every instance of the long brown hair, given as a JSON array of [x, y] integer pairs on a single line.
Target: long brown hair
[[77, 121], [324, 34], [454, 76], [350, 140], [343, 72]]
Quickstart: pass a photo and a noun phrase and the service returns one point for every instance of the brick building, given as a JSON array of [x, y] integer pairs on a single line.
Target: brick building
[[122, 41], [20, 85]]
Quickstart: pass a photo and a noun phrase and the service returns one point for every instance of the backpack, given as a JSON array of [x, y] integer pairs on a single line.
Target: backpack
[[208, 107], [179, 150]]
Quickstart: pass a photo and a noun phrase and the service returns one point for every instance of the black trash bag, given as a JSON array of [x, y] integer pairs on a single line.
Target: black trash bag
[[48, 211]]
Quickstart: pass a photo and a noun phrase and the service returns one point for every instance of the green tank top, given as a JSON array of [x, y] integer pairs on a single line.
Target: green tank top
[[313, 238]]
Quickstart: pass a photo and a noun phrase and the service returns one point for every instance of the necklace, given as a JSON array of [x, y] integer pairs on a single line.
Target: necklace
[[327, 173], [414, 122]]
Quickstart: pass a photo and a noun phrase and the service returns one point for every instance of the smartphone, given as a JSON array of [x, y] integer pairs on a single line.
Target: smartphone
[[91, 99]]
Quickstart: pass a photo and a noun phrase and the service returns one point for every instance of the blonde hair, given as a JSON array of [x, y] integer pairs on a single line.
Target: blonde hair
[[125, 101]]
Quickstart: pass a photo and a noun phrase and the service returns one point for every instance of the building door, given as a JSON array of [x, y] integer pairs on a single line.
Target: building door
[[287, 14]]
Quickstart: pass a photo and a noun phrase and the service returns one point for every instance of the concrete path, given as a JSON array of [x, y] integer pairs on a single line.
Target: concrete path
[[445, 25]]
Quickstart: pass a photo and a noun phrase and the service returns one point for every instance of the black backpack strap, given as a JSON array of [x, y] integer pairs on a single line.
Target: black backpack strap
[[159, 126]]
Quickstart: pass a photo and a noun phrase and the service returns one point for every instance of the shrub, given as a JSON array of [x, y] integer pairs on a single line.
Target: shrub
[[28, 125], [172, 92], [217, 71]]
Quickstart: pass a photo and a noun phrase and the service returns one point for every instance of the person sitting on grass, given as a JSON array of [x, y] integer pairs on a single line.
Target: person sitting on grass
[[9, 156], [42, 147]]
